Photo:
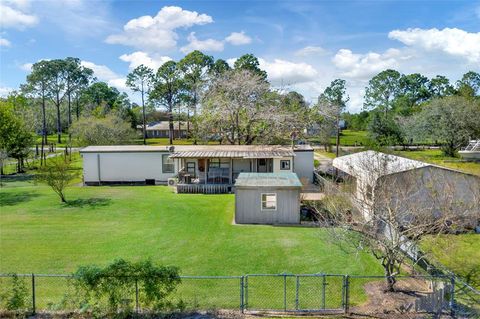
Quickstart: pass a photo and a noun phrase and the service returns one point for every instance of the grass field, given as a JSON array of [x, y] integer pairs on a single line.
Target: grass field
[[459, 253], [435, 156], [193, 232]]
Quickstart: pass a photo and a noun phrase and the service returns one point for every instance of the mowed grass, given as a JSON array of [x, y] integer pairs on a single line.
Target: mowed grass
[[38, 234], [194, 232], [435, 156], [459, 253]]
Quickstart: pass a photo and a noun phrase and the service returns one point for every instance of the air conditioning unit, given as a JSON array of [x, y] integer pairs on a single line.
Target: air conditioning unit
[[172, 182]]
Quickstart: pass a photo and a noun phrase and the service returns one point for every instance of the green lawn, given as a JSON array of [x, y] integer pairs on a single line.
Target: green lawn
[[459, 253], [435, 156], [348, 138], [194, 232]]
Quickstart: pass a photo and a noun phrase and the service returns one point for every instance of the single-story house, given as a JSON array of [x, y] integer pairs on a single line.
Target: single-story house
[[162, 129], [383, 180], [267, 198], [192, 168]]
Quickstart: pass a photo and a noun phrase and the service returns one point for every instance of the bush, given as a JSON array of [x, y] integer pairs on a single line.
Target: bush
[[16, 296], [116, 284], [107, 130]]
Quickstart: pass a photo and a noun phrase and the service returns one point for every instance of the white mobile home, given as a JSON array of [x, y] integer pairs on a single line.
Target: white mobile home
[[195, 168]]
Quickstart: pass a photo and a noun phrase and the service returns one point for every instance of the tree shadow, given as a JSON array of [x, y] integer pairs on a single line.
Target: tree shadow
[[15, 198], [17, 178], [88, 202]]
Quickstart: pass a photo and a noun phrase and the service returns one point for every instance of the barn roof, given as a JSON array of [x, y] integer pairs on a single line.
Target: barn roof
[[289, 180], [373, 165]]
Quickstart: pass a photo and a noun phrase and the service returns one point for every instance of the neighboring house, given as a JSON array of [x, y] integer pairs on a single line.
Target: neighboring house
[[382, 180], [314, 129], [267, 198], [196, 168], [162, 129]]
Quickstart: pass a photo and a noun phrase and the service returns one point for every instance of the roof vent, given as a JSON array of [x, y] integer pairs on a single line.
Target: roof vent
[[171, 148]]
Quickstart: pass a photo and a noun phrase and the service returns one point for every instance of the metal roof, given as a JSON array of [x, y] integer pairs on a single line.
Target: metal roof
[[288, 180], [165, 126]]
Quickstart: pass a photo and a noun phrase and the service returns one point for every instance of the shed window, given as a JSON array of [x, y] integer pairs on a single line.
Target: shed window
[[269, 201], [285, 165], [168, 165]]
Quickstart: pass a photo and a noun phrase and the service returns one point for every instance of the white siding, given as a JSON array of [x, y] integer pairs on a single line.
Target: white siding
[[303, 165], [124, 167]]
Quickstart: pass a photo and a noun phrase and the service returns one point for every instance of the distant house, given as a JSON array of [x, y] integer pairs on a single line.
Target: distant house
[[267, 198], [429, 187], [314, 129], [162, 129], [192, 168]]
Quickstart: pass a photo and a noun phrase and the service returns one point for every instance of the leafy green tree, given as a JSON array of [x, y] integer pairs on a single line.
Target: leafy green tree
[[250, 63], [195, 67], [451, 121], [57, 173], [77, 77], [415, 87], [382, 90], [37, 86], [168, 90], [440, 86], [15, 138], [141, 80], [332, 102], [100, 94], [469, 84], [108, 130], [384, 130], [219, 67], [357, 121]]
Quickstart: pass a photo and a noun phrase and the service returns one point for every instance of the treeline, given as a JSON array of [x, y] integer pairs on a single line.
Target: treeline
[[234, 105], [403, 109]]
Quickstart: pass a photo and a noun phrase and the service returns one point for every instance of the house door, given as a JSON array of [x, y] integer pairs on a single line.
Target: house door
[[264, 165], [192, 169]]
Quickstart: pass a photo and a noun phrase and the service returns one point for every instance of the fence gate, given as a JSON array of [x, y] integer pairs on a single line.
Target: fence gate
[[290, 293]]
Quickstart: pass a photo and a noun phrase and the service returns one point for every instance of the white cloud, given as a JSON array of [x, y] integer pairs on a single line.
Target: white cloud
[[158, 32], [238, 38], [452, 41], [12, 16], [310, 50], [139, 57], [363, 66], [209, 45], [5, 91], [27, 67], [4, 42], [104, 73], [282, 72]]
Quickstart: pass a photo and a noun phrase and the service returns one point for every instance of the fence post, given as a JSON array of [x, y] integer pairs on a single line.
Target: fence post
[[245, 287], [136, 295], [324, 285], [33, 295], [242, 294], [284, 291], [347, 293], [452, 297], [297, 287]]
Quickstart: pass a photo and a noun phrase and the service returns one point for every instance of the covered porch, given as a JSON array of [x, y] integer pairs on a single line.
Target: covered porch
[[216, 170]]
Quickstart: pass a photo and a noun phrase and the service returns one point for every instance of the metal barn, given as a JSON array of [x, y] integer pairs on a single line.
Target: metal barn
[[267, 198]]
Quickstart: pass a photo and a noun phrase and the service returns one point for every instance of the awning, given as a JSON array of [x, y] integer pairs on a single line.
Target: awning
[[233, 154]]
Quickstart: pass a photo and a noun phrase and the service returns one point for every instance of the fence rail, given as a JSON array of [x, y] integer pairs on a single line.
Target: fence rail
[[251, 293]]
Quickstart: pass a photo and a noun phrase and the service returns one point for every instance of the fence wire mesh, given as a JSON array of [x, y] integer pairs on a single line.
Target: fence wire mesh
[[321, 293]]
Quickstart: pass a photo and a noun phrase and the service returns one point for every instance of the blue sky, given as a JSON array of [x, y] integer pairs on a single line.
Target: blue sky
[[303, 45]]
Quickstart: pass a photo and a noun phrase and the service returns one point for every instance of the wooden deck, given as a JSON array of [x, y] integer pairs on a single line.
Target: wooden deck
[[204, 188]]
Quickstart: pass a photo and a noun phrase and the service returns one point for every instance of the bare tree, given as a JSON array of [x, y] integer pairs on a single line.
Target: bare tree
[[394, 203], [57, 173]]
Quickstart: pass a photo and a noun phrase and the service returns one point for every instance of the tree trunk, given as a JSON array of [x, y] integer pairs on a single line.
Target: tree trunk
[[59, 123], [144, 119], [78, 108], [195, 131], [170, 122], [69, 110], [44, 130]]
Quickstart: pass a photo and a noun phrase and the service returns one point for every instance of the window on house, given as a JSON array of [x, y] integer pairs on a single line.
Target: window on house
[[168, 166], [269, 201], [285, 165], [219, 162]]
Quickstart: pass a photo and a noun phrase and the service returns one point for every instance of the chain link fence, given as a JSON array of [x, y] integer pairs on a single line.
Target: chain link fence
[[257, 293]]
